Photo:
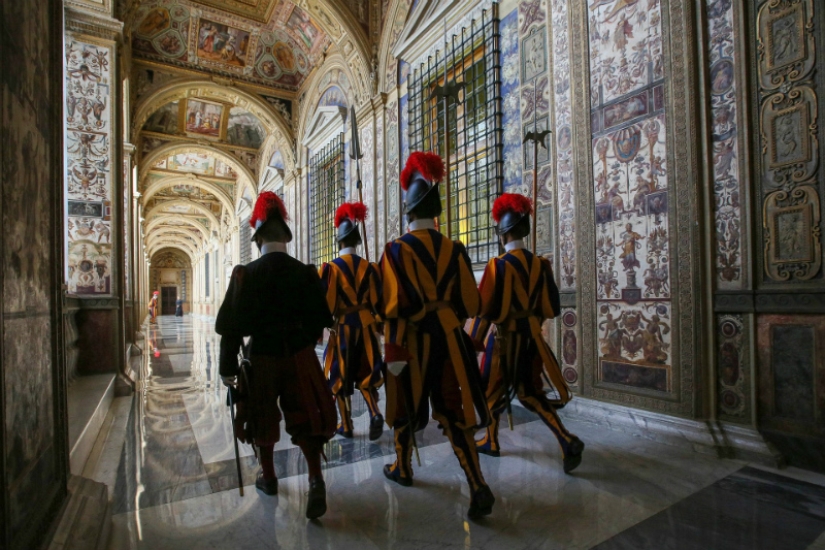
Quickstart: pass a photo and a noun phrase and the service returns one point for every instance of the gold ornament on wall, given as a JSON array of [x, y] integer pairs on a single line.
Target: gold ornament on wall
[[786, 42]]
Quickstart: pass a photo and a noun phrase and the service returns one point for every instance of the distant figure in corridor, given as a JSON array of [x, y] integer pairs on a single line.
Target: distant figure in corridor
[[179, 307], [153, 307], [428, 293], [518, 293], [280, 303], [352, 358]]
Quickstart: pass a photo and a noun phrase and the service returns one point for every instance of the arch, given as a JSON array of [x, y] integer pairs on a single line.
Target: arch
[[176, 247], [161, 217], [173, 233], [273, 121], [316, 90], [171, 149], [351, 39], [189, 179], [181, 244], [397, 14], [213, 220]]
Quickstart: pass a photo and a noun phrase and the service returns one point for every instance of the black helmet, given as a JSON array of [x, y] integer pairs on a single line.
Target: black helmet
[[347, 218], [420, 177], [509, 210]]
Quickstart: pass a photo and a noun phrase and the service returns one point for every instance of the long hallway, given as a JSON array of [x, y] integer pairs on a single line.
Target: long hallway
[[167, 457]]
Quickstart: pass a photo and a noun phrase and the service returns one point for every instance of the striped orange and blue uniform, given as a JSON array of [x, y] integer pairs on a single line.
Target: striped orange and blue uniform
[[518, 293], [428, 293], [352, 287]]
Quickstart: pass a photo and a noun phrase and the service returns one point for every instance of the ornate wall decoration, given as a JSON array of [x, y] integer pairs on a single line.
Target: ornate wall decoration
[[633, 255], [393, 172], [723, 60], [88, 120], [569, 346], [733, 366], [380, 221], [793, 247], [511, 117], [791, 210], [279, 52]]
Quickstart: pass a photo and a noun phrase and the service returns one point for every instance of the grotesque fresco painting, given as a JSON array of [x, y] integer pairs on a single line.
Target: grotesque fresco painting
[[164, 120], [89, 167], [204, 117], [222, 43], [722, 50], [244, 129], [631, 195], [299, 22]]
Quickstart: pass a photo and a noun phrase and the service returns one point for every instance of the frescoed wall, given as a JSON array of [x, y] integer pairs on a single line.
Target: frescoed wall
[[89, 166]]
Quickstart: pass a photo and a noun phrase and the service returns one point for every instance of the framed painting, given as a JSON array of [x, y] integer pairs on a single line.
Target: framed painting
[[204, 118]]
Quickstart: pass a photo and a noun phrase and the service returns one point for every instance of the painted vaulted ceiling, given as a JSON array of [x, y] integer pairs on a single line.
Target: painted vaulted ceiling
[[267, 42]]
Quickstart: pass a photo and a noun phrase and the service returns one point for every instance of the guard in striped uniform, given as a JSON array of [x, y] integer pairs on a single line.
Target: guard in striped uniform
[[353, 356], [428, 293], [518, 293]]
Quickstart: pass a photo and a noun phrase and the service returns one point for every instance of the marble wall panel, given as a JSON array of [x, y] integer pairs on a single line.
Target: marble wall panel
[[89, 90], [792, 373], [33, 446], [633, 230]]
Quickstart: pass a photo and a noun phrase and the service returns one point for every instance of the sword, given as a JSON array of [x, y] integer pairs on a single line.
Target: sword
[[235, 438], [356, 154]]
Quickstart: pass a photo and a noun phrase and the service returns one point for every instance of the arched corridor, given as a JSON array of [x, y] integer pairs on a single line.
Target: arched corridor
[[652, 323]]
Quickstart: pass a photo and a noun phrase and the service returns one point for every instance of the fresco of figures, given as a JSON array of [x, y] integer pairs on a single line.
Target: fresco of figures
[[88, 120], [631, 194]]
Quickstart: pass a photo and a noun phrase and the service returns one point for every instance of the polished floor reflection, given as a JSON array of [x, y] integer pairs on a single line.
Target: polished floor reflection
[[176, 485]]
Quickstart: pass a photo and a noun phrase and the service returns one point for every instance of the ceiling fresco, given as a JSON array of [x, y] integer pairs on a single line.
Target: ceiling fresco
[[268, 42], [202, 164]]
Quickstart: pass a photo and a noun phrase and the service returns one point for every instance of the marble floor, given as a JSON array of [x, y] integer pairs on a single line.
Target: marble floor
[[166, 456]]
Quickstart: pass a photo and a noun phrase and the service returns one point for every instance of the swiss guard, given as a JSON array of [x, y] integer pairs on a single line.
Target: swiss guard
[[428, 293], [280, 303], [518, 293], [352, 358]]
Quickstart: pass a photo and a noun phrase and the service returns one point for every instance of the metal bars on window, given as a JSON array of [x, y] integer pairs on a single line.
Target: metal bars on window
[[472, 61], [246, 239], [326, 193]]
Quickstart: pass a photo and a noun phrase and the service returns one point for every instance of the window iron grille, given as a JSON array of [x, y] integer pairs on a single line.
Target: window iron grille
[[472, 64], [246, 242], [326, 193]]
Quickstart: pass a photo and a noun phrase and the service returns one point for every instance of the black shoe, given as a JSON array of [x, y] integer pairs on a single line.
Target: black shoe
[[486, 448], [268, 486], [481, 503], [395, 475], [376, 427], [317, 501], [345, 433], [574, 457]]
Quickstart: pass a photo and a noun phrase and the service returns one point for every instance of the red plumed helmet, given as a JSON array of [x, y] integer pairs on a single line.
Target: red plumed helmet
[[269, 206], [354, 211], [509, 210], [428, 165], [511, 202], [268, 203]]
